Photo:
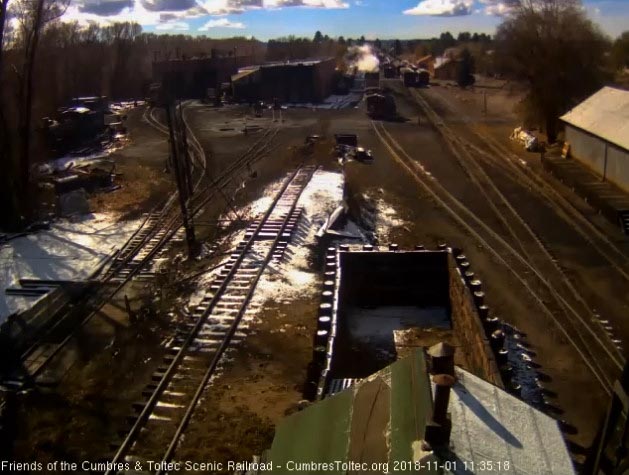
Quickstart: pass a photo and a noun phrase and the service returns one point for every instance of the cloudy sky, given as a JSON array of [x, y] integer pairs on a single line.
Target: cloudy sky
[[266, 19]]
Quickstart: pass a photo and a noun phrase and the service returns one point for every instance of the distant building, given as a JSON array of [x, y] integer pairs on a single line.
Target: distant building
[[294, 81], [598, 133], [453, 53], [446, 69], [191, 78], [427, 63]]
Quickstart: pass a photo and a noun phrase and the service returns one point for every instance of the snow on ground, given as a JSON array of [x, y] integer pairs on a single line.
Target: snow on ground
[[524, 372], [295, 278], [380, 217], [331, 102], [386, 219], [69, 251]]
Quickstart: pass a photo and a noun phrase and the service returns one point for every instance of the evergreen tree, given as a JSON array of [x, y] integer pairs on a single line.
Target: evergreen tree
[[465, 70], [398, 47]]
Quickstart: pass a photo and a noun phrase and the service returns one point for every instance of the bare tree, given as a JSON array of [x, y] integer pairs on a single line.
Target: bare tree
[[558, 50], [32, 15], [8, 196], [620, 52]]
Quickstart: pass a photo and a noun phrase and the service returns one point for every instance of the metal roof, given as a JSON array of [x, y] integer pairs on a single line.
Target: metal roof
[[295, 62], [381, 418], [490, 424], [244, 73], [604, 114]]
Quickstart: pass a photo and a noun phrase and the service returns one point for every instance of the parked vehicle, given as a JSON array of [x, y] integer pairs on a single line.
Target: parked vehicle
[[363, 155]]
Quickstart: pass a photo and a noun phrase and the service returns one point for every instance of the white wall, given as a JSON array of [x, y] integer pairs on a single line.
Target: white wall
[[590, 151]]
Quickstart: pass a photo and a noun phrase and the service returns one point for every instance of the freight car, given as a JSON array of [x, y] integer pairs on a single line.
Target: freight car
[[415, 78], [381, 106], [372, 79], [390, 71], [423, 78], [409, 77]]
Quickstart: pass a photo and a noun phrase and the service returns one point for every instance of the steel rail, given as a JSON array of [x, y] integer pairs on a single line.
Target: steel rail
[[225, 344], [165, 220], [442, 197], [478, 171], [174, 365]]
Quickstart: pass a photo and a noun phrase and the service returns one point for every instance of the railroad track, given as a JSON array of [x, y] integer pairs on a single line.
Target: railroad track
[[513, 168], [149, 117], [597, 353], [497, 154], [194, 355], [512, 164], [151, 239], [524, 237]]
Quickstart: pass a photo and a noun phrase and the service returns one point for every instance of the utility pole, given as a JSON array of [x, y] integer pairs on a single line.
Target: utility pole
[[187, 165], [180, 160]]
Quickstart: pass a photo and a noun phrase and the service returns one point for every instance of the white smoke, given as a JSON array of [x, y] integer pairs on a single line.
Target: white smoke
[[363, 59]]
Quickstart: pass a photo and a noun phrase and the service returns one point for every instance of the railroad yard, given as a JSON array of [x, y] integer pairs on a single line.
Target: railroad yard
[[198, 359]]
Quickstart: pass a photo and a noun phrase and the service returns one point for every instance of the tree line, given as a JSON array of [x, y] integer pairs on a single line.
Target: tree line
[[293, 48], [563, 56], [44, 62]]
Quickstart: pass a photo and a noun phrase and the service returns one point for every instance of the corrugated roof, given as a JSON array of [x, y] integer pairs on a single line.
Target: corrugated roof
[[604, 114], [380, 418], [243, 73], [491, 424]]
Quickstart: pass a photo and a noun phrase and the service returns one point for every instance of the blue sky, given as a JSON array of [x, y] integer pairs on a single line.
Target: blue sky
[[266, 19]]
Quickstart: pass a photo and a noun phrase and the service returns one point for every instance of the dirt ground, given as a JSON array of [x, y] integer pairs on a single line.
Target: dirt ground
[[599, 283], [85, 397], [140, 171], [264, 377], [251, 381]]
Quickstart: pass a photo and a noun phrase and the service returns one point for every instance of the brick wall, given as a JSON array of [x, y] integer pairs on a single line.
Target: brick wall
[[469, 330]]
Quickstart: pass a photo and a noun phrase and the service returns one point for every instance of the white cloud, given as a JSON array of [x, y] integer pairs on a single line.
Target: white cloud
[[305, 3], [173, 26], [137, 14], [442, 8], [462, 7], [499, 7], [221, 23], [154, 12]]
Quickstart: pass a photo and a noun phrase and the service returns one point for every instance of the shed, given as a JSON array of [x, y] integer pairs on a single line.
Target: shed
[[381, 421], [598, 133], [427, 63], [446, 69]]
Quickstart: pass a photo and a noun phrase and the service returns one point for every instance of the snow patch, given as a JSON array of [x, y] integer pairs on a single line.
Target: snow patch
[[380, 217], [524, 373], [294, 278], [70, 251]]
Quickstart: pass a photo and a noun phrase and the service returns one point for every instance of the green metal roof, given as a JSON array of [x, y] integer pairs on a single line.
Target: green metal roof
[[382, 419], [375, 421]]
